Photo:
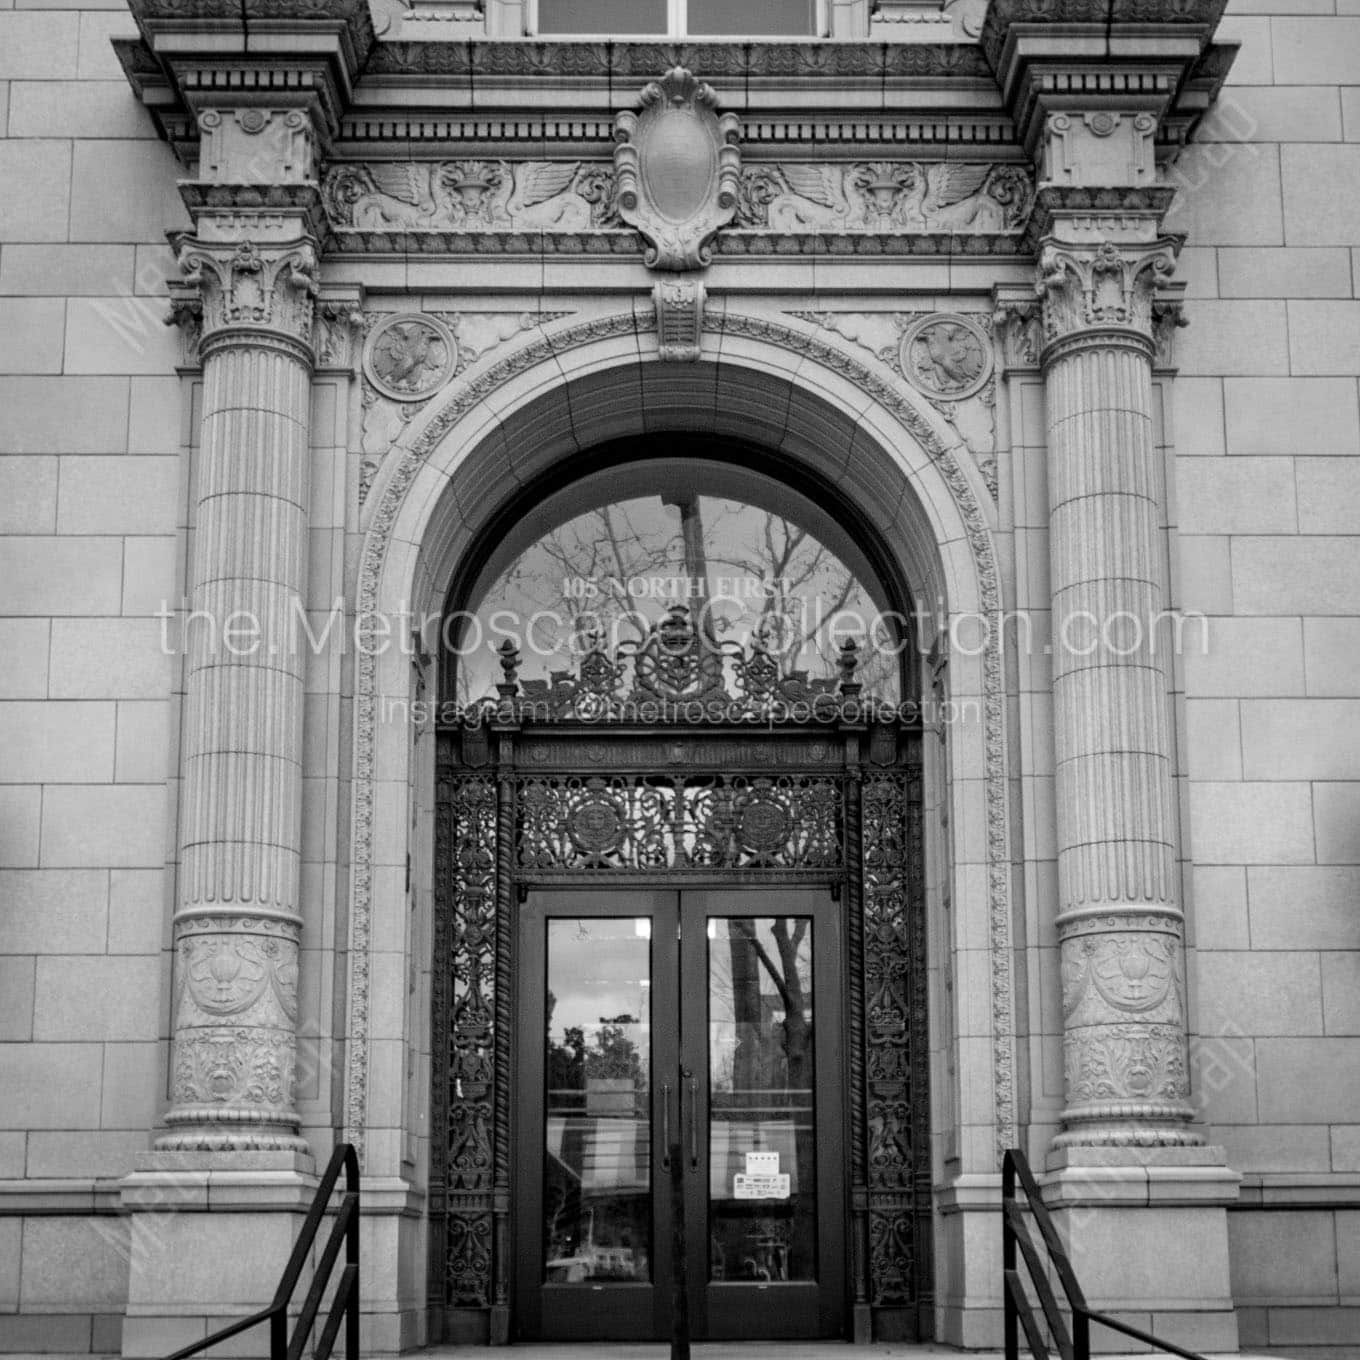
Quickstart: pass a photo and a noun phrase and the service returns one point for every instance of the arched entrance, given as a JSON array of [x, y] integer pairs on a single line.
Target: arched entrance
[[821, 419], [690, 859]]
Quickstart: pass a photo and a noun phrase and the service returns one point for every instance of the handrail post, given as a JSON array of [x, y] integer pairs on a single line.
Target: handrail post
[[278, 1334], [352, 1258], [1010, 1313]]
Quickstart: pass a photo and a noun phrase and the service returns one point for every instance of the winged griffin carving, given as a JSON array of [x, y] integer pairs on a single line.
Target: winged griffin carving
[[952, 196], [561, 196]]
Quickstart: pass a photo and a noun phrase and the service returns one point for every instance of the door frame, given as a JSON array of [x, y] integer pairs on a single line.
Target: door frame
[[567, 786]]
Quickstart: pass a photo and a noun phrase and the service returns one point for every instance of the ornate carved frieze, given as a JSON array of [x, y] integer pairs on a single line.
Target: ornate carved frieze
[[248, 292], [471, 195], [888, 196], [676, 169], [576, 206]]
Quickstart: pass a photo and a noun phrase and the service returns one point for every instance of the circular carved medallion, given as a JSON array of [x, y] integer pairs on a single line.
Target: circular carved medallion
[[408, 357], [764, 825], [594, 825], [948, 357]]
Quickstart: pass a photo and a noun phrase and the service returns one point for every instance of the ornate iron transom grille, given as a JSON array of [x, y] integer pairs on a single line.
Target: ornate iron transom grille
[[566, 781]]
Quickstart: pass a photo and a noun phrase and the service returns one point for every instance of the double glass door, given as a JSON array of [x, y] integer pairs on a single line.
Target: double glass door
[[679, 1068]]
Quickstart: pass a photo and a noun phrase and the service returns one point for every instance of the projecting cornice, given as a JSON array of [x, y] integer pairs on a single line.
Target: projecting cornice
[[1130, 57], [196, 56]]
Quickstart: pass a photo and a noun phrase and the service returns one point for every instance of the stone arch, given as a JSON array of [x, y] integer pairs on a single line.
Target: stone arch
[[809, 404]]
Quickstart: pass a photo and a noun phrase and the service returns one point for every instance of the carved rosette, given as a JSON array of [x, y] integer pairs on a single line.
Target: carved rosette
[[234, 1078], [250, 294], [677, 170]]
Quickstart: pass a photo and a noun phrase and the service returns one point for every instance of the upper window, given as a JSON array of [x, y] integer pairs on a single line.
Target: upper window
[[678, 18], [604, 561]]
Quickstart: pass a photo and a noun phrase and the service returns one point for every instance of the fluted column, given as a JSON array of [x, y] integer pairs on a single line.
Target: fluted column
[[1119, 915], [238, 920]]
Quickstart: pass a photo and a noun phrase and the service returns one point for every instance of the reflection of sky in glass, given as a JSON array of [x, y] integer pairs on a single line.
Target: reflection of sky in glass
[[620, 567], [597, 968]]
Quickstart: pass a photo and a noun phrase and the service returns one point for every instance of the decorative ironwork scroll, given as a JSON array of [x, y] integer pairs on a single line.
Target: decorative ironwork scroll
[[895, 1017], [664, 822], [676, 673], [465, 993]]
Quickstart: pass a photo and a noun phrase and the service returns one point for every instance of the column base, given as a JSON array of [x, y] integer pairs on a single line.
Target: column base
[[209, 1235], [1147, 1231]]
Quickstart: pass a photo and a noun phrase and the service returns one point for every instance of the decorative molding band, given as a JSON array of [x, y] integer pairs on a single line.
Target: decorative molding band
[[462, 399], [889, 129], [567, 61]]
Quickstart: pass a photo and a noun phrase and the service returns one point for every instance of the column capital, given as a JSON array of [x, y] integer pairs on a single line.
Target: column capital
[[248, 292], [1101, 293]]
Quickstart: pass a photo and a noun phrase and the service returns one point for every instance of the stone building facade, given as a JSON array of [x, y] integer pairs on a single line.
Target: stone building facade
[[1032, 312]]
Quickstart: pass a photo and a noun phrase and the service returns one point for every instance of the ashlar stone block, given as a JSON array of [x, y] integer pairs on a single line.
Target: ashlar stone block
[[1336, 815], [81, 997], [1279, 575], [16, 997], [66, 271], [1269, 272], [1341, 992], [115, 658], [1303, 906], [1258, 992], [23, 657], [41, 169], [38, 46], [1238, 657], [1315, 50], [47, 743], [28, 494], [1309, 1080], [1324, 337], [113, 826], [1303, 416], [132, 494], [1321, 185], [31, 334], [124, 191], [1236, 496], [33, 1100], [1307, 739], [51, 911], [1328, 495], [1251, 823]]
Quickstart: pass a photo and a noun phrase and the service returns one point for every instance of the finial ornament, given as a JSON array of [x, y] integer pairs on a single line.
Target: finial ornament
[[677, 169]]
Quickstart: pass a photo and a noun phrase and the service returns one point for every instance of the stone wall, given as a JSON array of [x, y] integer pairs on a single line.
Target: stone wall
[[90, 498], [1267, 501]]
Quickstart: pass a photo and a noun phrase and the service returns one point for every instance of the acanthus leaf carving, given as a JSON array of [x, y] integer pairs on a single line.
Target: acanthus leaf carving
[[1085, 288], [677, 170], [245, 286]]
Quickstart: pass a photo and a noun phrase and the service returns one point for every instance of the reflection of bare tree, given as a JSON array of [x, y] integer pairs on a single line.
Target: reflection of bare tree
[[753, 1058], [795, 594]]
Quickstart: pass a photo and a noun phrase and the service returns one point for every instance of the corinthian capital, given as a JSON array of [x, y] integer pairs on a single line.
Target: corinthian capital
[[1102, 289], [247, 292]]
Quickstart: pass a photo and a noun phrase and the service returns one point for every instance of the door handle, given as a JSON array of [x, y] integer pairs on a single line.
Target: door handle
[[665, 1126], [693, 1120]]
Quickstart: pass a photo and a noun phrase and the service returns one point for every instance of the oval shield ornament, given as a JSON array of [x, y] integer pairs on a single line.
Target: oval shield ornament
[[677, 168]]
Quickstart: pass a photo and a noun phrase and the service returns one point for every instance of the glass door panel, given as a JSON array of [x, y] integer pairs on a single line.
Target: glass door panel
[[761, 1109], [597, 1180]]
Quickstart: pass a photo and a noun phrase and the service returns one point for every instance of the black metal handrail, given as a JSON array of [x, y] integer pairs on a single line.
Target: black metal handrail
[[344, 1306], [1016, 1244]]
